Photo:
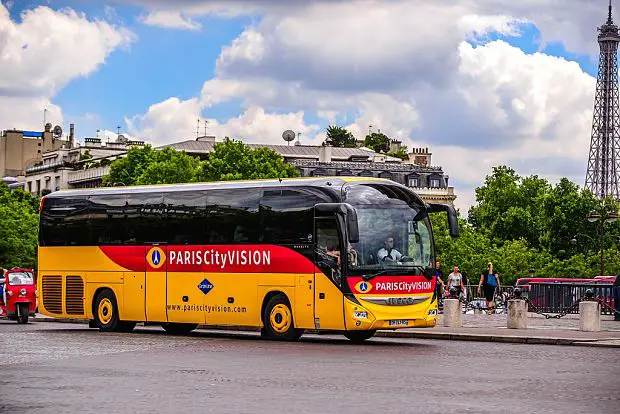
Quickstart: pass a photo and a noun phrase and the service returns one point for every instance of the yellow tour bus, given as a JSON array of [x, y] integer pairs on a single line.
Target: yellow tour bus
[[333, 254]]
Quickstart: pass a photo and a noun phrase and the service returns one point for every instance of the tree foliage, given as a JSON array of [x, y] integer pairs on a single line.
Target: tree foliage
[[523, 223], [402, 153], [340, 137], [19, 221], [146, 165], [233, 160], [377, 141], [230, 160]]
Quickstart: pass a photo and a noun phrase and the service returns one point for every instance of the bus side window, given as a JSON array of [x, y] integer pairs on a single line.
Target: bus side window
[[287, 215], [107, 218], [185, 215], [232, 216]]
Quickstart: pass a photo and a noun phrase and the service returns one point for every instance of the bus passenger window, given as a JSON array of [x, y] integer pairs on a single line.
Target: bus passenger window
[[232, 216]]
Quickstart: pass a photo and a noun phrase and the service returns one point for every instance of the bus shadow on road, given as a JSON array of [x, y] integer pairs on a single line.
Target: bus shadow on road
[[331, 339]]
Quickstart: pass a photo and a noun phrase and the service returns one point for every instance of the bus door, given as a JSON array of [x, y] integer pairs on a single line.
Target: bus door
[[156, 281], [329, 275]]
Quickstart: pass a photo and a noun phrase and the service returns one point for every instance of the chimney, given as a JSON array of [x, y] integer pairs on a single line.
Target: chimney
[[71, 135], [325, 153]]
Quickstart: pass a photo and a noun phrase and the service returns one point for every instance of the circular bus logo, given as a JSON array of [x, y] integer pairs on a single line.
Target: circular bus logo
[[156, 257], [363, 287]]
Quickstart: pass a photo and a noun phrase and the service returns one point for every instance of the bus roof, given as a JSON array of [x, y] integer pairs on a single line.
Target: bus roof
[[325, 182]]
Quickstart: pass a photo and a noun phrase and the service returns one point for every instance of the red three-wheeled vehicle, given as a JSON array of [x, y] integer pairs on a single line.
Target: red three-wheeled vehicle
[[18, 294]]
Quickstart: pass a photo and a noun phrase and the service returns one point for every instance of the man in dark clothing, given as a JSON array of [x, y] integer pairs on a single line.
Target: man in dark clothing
[[438, 279]]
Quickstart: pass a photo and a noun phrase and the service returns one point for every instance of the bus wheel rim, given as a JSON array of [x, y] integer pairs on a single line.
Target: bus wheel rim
[[105, 311], [280, 318]]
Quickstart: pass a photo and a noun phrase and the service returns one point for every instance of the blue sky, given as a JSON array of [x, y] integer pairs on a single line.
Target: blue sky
[[163, 63], [520, 91]]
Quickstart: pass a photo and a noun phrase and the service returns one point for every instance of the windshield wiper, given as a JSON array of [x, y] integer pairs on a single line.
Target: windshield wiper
[[372, 275], [369, 276]]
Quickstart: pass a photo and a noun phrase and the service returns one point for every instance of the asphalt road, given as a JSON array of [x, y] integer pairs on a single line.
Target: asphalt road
[[56, 368]]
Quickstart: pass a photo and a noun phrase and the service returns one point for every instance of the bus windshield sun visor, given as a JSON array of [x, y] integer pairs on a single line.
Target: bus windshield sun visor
[[452, 219], [348, 212]]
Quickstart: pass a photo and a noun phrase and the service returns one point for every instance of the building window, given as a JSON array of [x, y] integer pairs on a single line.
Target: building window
[[385, 174], [319, 172], [414, 182], [366, 173], [346, 173], [434, 182]]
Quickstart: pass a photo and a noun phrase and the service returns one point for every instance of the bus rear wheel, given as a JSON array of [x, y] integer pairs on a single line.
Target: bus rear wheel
[[278, 320], [359, 336], [106, 312], [179, 328]]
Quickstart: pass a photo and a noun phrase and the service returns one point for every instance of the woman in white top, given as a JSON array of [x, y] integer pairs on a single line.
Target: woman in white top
[[455, 279]]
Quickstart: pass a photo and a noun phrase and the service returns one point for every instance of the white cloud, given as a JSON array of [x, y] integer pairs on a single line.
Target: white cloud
[[174, 120], [169, 20], [255, 125], [44, 52], [168, 121], [405, 67]]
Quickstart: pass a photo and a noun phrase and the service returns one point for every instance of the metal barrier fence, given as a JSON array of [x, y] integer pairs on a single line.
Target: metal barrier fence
[[473, 300], [562, 297]]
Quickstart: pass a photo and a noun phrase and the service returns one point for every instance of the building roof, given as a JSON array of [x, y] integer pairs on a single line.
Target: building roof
[[368, 165], [287, 151]]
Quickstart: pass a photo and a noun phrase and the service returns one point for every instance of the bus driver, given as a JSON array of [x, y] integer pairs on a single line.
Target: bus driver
[[388, 253]]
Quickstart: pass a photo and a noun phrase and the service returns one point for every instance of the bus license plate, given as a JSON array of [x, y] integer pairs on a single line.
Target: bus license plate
[[401, 322]]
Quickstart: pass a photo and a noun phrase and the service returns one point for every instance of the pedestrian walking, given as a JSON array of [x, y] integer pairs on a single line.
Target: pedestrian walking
[[489, 282], [455, 279]]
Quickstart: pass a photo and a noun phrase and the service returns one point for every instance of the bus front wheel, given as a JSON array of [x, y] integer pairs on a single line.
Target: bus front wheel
[[278, 320], [359, 336]]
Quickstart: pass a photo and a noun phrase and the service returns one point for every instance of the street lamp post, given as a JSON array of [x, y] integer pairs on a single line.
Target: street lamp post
[[606, 217]]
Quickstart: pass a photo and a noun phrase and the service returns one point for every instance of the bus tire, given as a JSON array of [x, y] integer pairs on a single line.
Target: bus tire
[[106, 312], [359, 336], [179, 328], [278, 320]]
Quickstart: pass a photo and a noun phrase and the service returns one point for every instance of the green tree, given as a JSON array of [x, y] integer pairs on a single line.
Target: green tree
[[233, 160], [509, 207], [145, 165], [377, 141], [86, 156], [340, 137], [402, 153], [19, 221], [564, 212]]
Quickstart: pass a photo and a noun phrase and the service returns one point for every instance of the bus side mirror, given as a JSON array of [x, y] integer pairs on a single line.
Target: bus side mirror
[[352, 226], [453, 224], [347, 212]]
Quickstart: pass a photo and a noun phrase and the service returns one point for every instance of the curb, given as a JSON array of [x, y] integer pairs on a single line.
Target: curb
[[446, 336]]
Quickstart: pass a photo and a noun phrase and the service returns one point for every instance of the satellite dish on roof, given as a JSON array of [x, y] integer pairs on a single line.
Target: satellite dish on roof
[[288, 135], [57, 131]]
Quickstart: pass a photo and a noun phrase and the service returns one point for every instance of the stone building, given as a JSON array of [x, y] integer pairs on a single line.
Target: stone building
[[61, 170], [416, 172], [20, 150], [75, 167]]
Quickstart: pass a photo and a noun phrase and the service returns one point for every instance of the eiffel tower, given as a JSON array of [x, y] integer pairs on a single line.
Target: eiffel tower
[[603, 175]]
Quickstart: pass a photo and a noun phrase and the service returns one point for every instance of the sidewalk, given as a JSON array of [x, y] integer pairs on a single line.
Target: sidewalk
[[492, 328], [482, 328]]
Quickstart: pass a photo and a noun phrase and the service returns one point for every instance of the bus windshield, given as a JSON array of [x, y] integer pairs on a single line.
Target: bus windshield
[[392, 235]]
